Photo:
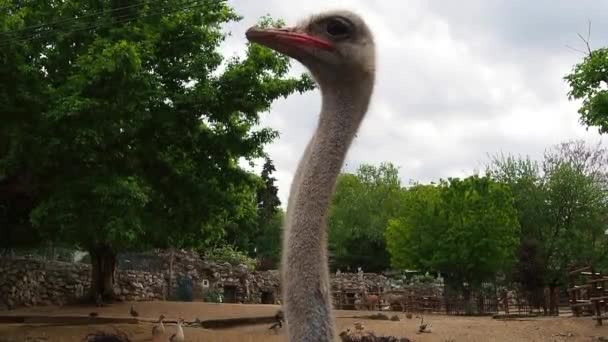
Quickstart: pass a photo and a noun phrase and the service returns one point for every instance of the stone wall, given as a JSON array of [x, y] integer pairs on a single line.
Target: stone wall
[[154, 276], [27, 282], [371, 282]]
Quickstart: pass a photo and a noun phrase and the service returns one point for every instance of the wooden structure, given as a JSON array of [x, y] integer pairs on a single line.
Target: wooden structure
[[415, 298], [351, 298], [588, 292]]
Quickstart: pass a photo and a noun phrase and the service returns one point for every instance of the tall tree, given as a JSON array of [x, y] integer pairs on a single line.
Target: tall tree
[[267, 195], [526, 182], [267, 241], [576, 179], [466, 229], [121, 126], [588, 81], [260, 235], [362, 205], [562, 210]]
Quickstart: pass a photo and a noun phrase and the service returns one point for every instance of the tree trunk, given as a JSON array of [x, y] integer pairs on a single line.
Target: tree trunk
[[171, 275], [547, 300], [466, 293], [103, 265], [554, 307]]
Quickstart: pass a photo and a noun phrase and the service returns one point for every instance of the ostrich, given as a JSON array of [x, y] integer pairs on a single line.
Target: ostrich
[[159, 329], [338, 49]]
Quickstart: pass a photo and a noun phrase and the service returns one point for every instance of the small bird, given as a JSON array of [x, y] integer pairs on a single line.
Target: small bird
[[344, 335], [359, 327], [93, 314], [179, 334], [279, 317], [159, 329], [424, 327], [133, 312], [276, 326], [408, 315]]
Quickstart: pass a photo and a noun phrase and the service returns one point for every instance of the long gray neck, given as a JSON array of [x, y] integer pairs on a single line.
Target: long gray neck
[[306, 288]]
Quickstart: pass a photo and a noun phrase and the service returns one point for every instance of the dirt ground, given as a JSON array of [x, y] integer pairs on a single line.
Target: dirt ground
[[444, 328]]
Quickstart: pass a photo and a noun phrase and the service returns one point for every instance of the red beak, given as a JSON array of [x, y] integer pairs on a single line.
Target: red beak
[[279, 39]]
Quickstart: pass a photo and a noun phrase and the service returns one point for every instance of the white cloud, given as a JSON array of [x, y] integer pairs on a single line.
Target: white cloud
[[456, 81]]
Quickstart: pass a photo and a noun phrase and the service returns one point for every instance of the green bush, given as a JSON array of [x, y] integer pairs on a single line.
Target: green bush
[[230, 255], [212, 295]]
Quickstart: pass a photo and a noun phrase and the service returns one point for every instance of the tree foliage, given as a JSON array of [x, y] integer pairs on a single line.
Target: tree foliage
[[260, 234], [361, 208], [122, 125], [523, 177], [588, 82], [562, 210], [267, 240], [465, 228], [576, 184]]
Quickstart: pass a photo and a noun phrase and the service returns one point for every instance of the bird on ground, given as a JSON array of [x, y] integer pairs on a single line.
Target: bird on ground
[[424, 327], [159, 329], [133, 312], [179, 334]]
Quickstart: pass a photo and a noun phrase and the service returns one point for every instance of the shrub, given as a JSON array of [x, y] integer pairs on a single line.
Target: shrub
[[230, 255]]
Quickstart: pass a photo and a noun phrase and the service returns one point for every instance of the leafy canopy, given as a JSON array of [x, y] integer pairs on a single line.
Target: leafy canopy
[[125, 125], [465, 228], [361, 207], [562, 208], [588, 82]]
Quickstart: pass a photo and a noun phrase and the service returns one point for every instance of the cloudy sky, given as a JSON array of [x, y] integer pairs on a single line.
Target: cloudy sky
[[457, 80]]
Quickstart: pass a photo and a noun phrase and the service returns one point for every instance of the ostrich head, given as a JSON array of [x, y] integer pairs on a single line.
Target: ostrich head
[[334, 45]]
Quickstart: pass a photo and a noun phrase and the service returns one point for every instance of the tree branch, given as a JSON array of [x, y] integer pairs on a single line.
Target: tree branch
[[586, 40]]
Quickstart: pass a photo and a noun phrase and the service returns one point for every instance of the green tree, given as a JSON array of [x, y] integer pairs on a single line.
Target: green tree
[[260, 235], [576, 179], [361, 207], [124, 125], [588, 81], [526, 182], [268, 243], [466, 229], [562, 210], [411, 238], [267, 240]]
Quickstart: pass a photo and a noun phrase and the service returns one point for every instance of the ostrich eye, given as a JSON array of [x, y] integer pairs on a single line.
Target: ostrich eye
[[338, 27]]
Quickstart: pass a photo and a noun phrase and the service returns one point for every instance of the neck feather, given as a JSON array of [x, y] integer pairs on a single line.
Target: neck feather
[[306, 284]]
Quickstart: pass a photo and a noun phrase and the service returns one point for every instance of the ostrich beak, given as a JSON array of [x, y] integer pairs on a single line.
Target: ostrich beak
[[287, 40]]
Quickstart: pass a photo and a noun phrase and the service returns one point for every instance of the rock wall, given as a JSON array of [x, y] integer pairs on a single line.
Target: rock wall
[[27, 282], [162, 275], [371, 282]]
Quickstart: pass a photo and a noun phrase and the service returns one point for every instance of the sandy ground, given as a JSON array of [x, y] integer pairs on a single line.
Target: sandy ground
[[444, 328]]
